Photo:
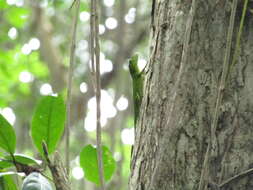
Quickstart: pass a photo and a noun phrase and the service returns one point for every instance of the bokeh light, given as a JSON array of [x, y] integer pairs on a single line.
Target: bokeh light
[[130, 16], [77, 173], [25, 77], [101, 29], [84, 16], [34, 44], [83, 87], [107, 111], [122, 103], [141, 64], [111, 23], [109, 3], [26, 50], [117, 156], [8, 114], [127, 136], [13, 33], [46, 89]]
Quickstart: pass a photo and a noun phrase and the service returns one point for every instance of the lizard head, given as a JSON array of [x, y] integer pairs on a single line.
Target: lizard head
[[133, 65]]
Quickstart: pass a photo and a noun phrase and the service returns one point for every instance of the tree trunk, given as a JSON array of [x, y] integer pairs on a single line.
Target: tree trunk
[[188, 42]]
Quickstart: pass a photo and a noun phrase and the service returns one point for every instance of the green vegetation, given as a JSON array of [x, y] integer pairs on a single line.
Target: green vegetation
[[34, 58]]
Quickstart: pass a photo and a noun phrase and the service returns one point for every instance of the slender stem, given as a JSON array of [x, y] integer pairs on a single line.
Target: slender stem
[[95, 65], [98, 99], [70, 78], [57, 170], [92, 39], [224, 69], [238, 39], [236, 177], [212, 142], [14, 161]]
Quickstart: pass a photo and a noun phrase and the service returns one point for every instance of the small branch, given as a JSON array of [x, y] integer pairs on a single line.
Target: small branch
[[215, 186], [238, 39], [95, 67], [70, 78], [92, 43], [45, 150], [57, 170], [212, 145], [225, 69], [236, 177], [98, 99]]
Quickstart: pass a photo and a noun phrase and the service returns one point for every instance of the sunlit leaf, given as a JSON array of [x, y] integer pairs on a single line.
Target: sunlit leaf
[[10, 173], [6, 164], [3, 5], [17, 16], [24, 159], [7, 136], [37, 68], [88, 161], [7, 161], [48, 122], [7, 183], [84, 7]]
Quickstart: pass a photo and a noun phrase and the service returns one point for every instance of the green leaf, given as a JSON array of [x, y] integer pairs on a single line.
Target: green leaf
[[88, 161], [17, 16], [7, 183], [9, 173], [7, 161], [24, 159], [84, 7], [7, 136], [3, 5], [48, 122], [37, 68], [6, 164]]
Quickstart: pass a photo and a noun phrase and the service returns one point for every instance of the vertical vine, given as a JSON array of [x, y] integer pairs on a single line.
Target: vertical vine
[[95, 69], [70, 78], [226, 69]]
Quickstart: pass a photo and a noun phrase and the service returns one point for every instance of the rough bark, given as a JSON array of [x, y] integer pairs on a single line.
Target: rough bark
[[179, 99]]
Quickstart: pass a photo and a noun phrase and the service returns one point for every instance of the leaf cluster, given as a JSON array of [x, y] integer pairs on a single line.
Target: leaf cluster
[[47, 127]]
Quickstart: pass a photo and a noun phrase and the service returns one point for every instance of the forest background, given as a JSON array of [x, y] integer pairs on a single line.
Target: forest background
[[34, 55]]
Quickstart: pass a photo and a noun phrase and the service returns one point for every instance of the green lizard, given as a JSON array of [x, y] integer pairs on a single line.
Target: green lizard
[[138, 81]]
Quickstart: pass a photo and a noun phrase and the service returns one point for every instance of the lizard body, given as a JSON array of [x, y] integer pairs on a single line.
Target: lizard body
[[138, 81]]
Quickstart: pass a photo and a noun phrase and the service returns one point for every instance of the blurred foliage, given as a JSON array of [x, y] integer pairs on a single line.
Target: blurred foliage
[[88, 161], [12, 63], [50, 22]]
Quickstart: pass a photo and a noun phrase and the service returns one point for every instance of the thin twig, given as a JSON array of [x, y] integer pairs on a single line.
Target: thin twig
[[212, 145], [58, 172], [70, 78], [92, 43], [224, 71], [95, 53], [73, 3], [234, 60], [238, 39], [98, 99], [236, 177]]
